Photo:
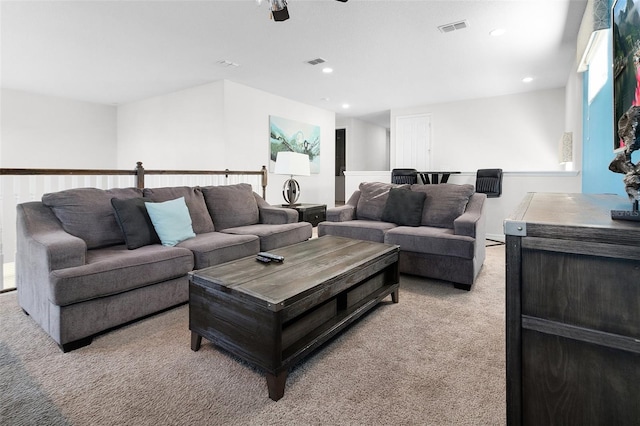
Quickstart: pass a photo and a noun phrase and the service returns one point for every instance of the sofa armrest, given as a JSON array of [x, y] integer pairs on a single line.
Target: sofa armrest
[[345, 212], [42, 247], [62, 249], [272, 215], [277, 215], [43, 242], [341, 213], [471, 222]]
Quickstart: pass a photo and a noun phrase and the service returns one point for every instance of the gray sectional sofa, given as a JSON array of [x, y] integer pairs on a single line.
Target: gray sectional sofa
[[89, 259], [440, 228]]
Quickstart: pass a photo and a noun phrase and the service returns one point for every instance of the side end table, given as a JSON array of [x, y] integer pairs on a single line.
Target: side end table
[[312, 213]]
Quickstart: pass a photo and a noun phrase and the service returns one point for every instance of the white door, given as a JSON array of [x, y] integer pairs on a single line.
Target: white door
[[412, 142]]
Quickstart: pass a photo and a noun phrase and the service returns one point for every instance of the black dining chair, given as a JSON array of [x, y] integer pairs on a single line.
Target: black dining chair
[[409, 176], [489, 181]]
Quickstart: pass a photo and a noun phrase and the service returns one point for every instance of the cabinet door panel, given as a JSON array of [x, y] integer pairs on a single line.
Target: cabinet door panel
[[568, 382], [588, 291]]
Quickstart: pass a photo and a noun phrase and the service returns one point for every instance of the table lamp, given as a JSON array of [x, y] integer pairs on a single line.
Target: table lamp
[[292, 163]]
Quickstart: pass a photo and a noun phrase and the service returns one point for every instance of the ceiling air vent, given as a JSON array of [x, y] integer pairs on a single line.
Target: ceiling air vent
[[454, 26], [316, 61], [227, 64]]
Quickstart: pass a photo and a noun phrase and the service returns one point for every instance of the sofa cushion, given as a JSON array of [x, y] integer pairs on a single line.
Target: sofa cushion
[[200, 219], [369, 230], [373, 198], [87, 213], [275, 236], [404, 207], [214, 248], [431, 240], [115, 269], [136, 225], [231, 205], [444, 203], [171, 221]]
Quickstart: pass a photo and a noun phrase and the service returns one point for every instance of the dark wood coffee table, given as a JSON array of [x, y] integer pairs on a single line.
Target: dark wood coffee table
[[272, 315]]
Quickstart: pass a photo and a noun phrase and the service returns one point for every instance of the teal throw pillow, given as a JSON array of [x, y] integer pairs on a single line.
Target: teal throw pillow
[[171, 221], [404, 207]]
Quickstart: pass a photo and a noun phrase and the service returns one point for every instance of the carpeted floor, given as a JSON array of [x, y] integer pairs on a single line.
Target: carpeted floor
[[435, 358]]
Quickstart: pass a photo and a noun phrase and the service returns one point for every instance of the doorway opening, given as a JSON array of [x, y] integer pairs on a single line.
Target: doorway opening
[[341, 165]]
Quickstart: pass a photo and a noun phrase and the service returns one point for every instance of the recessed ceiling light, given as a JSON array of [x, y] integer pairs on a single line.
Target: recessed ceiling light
[[345, 106], [498, 32], [327, 70], [527, 79]]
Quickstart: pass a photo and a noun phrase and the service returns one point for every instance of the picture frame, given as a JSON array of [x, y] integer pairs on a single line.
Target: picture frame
[[291, 135], [626, 62]]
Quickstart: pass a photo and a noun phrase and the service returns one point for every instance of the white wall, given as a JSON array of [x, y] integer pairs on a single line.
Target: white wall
[[221, 125], [226, 125], [573, 117], [516, 132], [180, 130], [367, 146], [40, 131], [247, 112]]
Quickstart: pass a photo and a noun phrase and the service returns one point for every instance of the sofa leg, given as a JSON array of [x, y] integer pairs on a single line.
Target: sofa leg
[[76, 344], [462, 286]]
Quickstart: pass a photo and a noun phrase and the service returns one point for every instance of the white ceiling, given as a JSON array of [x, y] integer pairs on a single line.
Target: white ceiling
[[385, 54]]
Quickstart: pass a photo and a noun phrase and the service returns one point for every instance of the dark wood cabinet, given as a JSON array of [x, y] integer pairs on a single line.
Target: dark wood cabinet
[[573, 312]]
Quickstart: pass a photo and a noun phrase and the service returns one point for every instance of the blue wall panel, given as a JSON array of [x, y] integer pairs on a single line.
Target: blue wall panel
[[597, 148], [597, 141]]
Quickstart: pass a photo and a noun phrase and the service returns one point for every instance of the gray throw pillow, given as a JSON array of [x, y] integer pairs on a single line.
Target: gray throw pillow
[[404, 207], [136, 225], [231, 206], [87, 213], [444, 203], [373, 198], [200, 218]]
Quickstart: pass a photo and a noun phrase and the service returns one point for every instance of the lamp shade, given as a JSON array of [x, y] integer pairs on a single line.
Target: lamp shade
[[292, 163]]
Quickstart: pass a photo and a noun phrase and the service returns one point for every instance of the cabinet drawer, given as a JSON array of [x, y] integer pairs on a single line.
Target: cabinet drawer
[[313, 215]]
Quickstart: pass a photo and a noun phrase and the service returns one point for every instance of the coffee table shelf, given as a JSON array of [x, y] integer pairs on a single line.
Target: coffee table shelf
[[333, 326]]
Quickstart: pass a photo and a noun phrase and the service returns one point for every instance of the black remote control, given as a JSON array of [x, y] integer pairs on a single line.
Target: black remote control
[[271, 256], [625, 215], [263, 259]]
